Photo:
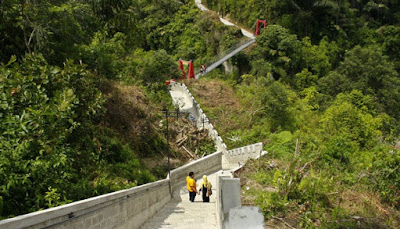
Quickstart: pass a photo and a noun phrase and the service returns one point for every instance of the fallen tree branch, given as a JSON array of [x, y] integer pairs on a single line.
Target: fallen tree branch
[[188, 152]]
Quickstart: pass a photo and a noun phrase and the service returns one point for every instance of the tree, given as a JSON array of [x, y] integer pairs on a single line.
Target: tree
[[276, 102], [315, 57], [153, 67], [304, 79], [280, 48], [369, 71], [53, 28], [351, 115], [118, 16], [41, 107]]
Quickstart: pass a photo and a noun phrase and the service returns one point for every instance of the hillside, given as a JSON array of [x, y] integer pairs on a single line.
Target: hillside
[[324, 103], [82, 93], [299, 183]]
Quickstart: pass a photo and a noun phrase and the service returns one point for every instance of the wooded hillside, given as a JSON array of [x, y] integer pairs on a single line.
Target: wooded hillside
[[82, 89], [321, 90], [81, 94]]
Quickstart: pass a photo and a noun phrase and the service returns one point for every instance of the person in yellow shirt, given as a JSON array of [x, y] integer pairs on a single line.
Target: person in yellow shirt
[[205, 187], [191, 186]]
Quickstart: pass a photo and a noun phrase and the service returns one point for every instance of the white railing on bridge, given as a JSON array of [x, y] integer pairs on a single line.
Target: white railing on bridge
[[222, 57]]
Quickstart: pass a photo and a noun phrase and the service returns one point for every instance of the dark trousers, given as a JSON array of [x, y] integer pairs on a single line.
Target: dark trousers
[[205, 197], [192, 195]]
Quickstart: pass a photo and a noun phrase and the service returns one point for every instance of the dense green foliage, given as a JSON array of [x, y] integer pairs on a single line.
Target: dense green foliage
[[324, 74], [65, 130], [321, 87], [50, 144]]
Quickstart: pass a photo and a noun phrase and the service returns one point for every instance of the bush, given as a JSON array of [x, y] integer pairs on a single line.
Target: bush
[[282, 145], [386, 176], [106, 55], [271, 203]]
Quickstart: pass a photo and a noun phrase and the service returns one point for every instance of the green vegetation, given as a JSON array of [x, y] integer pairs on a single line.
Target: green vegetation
[[81, 94], [321, 91], [82, 87]]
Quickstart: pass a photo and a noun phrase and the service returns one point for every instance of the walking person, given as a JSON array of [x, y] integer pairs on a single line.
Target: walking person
[[205, 187], [191, 186], [203, 68]]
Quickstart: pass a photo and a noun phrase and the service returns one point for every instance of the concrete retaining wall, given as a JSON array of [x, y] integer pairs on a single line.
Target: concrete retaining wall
[[230, 213], [128, 208], [220, 215], [242, 154], [204, 166], [230, 194]]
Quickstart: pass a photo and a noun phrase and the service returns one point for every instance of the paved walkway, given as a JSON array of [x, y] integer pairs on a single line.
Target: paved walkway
[[184, 102], [180, 213], [225, 21]]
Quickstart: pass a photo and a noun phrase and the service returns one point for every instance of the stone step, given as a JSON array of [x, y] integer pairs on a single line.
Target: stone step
[[180, 213]]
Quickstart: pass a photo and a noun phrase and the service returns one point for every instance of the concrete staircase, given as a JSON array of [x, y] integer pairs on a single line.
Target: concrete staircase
[[180, 213]]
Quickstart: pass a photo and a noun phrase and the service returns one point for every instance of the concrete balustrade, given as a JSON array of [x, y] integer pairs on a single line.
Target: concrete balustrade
[[128, 208], [230, 212], [235, 156], [242, 154], [198, 113], [206, 165]]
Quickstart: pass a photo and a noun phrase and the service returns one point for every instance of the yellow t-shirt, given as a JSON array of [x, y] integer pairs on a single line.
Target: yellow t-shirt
[[190, 183]]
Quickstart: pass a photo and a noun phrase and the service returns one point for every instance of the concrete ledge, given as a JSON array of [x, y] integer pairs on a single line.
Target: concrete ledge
[[206, 165], [61, 215], [220, 215], [242, 154]]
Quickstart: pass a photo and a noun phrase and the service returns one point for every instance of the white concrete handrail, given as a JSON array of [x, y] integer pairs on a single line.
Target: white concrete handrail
[[130, 207], [206, 165], [242, 154]]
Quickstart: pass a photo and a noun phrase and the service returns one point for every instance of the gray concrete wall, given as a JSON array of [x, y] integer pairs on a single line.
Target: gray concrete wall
[[230, 194], [239, 156], [230, 213], [128, 208], [218, 205], [203, 166]]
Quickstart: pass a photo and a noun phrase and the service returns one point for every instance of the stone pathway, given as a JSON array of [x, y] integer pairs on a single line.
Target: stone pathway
[[180, 213], [184, 102]]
